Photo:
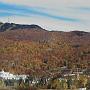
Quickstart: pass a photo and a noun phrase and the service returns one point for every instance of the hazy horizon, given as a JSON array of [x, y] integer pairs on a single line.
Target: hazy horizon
[[66, 15]]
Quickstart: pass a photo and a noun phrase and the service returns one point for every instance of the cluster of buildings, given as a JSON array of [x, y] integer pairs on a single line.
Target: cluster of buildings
[[8, 75], [65, 73]]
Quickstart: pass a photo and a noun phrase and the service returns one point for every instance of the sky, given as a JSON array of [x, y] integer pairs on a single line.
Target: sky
[[59, 15]]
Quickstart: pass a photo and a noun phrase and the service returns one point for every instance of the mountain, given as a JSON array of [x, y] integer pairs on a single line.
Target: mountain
[[29, 49], [13, 26]]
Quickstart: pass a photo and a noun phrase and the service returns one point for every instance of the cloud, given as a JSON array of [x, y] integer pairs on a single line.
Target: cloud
[[81, 9], [49, 3], [27, 11], [3, 14]]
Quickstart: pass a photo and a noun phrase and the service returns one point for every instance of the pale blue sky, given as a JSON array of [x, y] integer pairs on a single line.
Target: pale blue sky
[[66, 15]]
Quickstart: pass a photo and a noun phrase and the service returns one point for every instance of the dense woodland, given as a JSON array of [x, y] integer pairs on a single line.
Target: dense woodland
[[36, 51]]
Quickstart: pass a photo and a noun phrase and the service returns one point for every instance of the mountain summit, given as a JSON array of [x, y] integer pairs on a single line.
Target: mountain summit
[[13, 26]]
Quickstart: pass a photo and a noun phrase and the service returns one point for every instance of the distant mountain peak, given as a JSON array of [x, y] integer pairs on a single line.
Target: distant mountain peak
[[13, 26], [79, 33]]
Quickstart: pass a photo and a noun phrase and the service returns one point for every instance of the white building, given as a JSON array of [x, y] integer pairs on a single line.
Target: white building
[[82, 89], [7, 75]]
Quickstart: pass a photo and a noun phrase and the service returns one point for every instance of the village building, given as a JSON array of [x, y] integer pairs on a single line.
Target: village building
[[8, 75]]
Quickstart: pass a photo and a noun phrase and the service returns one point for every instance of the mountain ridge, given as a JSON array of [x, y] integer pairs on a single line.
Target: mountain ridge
[[13, 26]]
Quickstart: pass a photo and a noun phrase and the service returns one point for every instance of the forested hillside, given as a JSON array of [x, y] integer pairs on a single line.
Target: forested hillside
[[29, 49]]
